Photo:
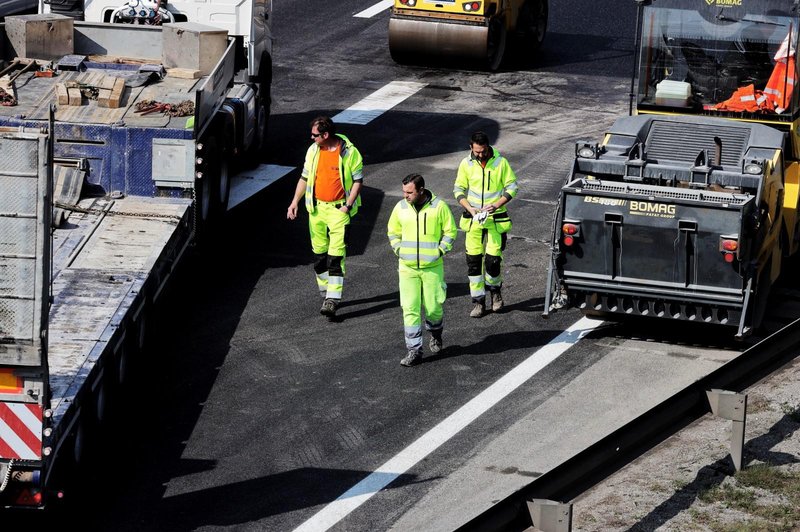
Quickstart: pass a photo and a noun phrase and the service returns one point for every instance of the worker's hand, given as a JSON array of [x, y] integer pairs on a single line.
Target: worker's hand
[[473, 211], [291, 213], [490, 208]]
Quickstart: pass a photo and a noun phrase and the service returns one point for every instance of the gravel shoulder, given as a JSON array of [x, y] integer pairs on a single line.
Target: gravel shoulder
[[688, 482]]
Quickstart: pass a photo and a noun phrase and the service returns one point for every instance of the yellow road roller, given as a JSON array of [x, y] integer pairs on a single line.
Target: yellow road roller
[[464, 30]]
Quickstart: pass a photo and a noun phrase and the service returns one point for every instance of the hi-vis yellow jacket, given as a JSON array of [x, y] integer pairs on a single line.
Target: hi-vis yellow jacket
[[350, 169], [420, 236], [482, 186]]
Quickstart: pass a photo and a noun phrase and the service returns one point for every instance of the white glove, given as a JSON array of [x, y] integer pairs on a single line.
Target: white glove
[[481, 217]]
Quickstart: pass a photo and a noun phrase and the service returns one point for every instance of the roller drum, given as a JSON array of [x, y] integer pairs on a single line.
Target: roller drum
[[412, 40]]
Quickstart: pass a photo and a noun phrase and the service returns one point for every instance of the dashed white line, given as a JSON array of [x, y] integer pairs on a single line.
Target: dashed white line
[[378, 102], [370, 12], [441, 433]]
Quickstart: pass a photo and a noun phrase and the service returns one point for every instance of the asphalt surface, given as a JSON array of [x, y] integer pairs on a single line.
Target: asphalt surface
[[252, 411]]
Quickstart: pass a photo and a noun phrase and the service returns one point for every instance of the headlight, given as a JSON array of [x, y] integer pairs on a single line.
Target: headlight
[[753, 167], [585, 150]]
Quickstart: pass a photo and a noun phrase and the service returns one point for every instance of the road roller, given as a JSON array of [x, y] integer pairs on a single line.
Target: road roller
[[469, 31]]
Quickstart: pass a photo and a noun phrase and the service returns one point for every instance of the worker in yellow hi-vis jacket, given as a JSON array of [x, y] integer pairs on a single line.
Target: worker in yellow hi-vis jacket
[[421, 230], [331, 184], [484, 184]]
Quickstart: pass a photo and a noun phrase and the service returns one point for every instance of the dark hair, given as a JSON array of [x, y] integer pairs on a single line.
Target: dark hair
[[480, 138], [418, 180], [324, 125]]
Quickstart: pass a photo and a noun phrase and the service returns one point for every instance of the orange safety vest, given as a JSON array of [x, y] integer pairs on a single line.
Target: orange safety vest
[[746, 98], [780, 86]]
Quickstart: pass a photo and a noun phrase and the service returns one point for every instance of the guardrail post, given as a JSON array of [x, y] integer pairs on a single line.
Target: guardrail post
[[550, 516], [733, 406]]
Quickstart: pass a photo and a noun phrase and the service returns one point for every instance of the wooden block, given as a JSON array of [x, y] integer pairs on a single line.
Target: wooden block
[[103, 95], [75, 96], [184, 73], [93, 79], [107, 82], [62, 94], [117, 93]]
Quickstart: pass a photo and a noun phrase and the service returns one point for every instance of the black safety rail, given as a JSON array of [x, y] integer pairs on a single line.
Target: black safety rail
[[586, 469]]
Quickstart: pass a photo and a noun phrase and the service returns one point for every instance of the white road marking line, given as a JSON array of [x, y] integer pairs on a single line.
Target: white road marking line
[[378, 102], [438, 435], [370, 12]]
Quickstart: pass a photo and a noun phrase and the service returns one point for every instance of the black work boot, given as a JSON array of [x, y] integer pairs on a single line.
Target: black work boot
[[435, 344], [328, 308]]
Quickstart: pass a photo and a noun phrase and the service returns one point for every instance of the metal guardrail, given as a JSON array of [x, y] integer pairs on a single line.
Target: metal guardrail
[[586, 469]]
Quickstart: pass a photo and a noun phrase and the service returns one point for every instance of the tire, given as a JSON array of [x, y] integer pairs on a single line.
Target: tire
[[495, 43], [255, 153], [209, 187], [532, 24], [203, 200], [223, 190]]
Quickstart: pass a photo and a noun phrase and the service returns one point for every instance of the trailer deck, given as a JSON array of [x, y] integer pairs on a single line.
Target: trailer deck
[[109, 263]]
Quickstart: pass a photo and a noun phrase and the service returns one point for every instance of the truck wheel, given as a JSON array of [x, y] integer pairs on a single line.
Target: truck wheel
[[202, 198], [495, 43], [532, 24], [256, 152], [207, 187], [223, 184]]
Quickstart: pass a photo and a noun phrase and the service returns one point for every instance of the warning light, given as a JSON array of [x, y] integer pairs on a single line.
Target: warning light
[[569, 229], [568, 240], [728, 257], [730, 245]]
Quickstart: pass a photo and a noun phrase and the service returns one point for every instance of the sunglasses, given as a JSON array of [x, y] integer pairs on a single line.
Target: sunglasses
[[315, 135]]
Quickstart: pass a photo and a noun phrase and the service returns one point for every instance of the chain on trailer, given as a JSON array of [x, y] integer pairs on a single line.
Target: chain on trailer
[[102, 212]]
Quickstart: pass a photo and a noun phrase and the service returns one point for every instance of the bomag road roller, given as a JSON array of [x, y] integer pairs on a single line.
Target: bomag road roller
[[467, 31], [687, 208]]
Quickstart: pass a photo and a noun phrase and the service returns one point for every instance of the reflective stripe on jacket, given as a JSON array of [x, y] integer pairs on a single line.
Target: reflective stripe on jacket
[[482, 186], [421, 236], [350, 170]]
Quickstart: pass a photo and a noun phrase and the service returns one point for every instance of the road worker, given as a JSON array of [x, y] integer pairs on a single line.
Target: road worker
[[421, 230], [331, 183], [484, 184]]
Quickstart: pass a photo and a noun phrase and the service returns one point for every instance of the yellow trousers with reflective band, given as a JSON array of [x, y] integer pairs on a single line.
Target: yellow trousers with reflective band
[[421, 287], [328, 226], [484, 245]]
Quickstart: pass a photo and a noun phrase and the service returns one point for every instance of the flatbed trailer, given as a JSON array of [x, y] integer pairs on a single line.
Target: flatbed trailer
[[98, 206]]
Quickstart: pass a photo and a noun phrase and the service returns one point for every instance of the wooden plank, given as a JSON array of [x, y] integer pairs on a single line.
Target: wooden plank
[[103, 95], [117, 93], [184, 73], [75, 96], [107, 82], [62, 94]]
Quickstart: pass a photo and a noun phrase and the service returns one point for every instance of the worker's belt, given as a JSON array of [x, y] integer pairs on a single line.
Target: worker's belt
[[338, 204], [496, 216]]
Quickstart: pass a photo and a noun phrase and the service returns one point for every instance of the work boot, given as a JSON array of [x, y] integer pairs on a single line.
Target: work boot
[[497, 301], [436, 342], [412, 358], [328, 308], [478, 310]]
